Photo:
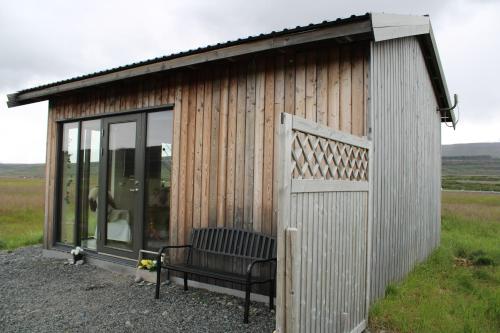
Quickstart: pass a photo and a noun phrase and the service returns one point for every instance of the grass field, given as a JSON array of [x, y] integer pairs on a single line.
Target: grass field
[[472, 183], [12, 170], [458, 288], [471, 173], [471, 165], [21, 212]]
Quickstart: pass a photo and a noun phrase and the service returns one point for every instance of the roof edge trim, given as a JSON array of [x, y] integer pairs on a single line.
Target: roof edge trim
[[337, 30], [391, 26]]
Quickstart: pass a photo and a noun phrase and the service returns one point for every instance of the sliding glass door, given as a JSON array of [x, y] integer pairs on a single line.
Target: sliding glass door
[[121, 191], [68, 173], [90, 147], [114, 183], [157, 172]]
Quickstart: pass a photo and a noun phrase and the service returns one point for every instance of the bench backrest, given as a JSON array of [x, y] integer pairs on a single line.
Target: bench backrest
[[234, 243]]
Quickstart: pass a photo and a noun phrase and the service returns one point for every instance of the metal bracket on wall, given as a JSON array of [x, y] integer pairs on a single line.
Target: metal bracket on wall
[[442, 110]]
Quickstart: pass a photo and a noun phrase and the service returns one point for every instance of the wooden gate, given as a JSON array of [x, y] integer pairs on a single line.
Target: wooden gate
[[323, 229]]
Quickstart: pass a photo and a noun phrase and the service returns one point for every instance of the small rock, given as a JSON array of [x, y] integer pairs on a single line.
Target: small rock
[[145, 312], [95, 286], [166, 283], [129, 324], [241, 307], [79, 262], [164, 314], [71, 261], [138, 279]]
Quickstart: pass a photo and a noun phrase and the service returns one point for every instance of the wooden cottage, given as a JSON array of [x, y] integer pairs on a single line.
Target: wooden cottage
[[326, 136]]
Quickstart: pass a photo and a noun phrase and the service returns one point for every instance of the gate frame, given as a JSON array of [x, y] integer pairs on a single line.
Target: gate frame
[[287, 249]]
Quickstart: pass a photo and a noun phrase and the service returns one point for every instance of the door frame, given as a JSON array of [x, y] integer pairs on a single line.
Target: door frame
[[138, 218], [56, 194]]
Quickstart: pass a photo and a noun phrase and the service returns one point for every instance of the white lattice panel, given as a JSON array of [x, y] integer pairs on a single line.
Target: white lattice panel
[[315, 157]]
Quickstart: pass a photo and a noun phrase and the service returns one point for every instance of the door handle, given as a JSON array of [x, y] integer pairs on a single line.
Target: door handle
[[134, 189]]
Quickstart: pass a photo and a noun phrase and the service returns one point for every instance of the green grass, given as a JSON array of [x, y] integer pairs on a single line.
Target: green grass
[[22, 170], [458, 288], [471, 173], [478, 165], [472, 183], [21, 212]]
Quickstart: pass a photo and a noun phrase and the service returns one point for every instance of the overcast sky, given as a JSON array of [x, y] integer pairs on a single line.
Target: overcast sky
[[45, 41]]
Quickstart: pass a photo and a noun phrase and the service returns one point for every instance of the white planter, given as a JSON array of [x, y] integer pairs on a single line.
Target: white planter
[[150, 276]]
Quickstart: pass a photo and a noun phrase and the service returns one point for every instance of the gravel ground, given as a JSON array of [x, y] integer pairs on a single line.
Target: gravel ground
[[38, 294]]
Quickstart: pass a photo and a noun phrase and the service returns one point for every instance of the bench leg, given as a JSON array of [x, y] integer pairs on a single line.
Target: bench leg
[[247, 303], [158, 280], [185, 281], [271, 295]]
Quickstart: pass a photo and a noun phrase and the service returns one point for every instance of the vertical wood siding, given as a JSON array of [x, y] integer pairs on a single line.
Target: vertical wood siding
[[332, 238], [225, 127], [407, 162]]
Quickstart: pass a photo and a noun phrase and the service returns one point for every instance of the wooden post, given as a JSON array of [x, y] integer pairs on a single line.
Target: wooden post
[[284, 178], [371, 155], [291, 254]]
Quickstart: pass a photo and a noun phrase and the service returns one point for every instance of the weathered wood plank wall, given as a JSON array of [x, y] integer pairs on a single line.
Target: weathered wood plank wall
[[225, 127], [407, 155]]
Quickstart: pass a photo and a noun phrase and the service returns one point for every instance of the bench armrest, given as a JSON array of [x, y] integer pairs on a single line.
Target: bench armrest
[[163, 248], [258, 261]]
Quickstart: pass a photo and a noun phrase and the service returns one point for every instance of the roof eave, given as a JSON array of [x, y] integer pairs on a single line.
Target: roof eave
[[449, 115], [377, 26], [344, 29], [391, 26]]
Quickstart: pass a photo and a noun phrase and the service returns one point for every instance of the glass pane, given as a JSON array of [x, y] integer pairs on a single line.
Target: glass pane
[[89, 190], [158, 168], [122, 185], [69, 152]]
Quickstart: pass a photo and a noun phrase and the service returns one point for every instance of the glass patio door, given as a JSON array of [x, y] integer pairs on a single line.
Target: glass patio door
[[113, 191], [121, 186]]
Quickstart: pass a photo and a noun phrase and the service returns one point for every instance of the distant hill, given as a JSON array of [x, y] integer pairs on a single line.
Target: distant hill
[[472, 149], [471, 166], [22, 170]]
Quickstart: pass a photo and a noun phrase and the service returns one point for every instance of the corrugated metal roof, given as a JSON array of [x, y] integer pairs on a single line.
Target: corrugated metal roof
[[377, 27], [297, 29]]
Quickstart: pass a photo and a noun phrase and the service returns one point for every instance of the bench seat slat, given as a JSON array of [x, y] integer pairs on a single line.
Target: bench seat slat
[[210, 273]]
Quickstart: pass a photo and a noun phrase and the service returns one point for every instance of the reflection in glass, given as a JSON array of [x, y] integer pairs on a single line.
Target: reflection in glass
[[89, 181], [158, 168], [122, 184], [69, 154]]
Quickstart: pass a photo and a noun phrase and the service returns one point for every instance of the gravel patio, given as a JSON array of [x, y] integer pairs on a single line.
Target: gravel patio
[[44, 295]]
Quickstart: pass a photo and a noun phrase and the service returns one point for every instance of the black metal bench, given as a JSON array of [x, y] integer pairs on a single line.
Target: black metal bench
[[255, 247]]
